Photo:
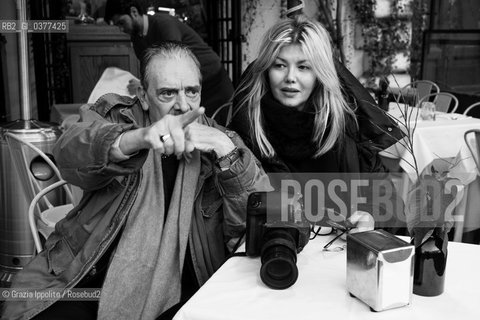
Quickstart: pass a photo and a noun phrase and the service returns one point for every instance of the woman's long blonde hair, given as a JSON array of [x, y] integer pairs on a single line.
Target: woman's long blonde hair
[[327, 98]]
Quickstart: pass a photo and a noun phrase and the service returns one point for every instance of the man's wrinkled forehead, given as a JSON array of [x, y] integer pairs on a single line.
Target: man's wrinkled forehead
[[163, 63]]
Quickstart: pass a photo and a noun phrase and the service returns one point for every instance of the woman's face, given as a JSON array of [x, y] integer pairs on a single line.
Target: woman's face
[[291, 77]]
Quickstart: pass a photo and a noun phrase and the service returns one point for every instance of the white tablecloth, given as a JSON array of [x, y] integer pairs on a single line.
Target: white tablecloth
[[236, 291], [113, 80]]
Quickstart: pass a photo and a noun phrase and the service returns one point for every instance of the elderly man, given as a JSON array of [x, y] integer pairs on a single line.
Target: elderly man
[[147, 30], [165, 196]]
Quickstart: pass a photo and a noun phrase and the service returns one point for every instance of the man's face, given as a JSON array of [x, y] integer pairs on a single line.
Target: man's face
[[125, 23], [173, 87]]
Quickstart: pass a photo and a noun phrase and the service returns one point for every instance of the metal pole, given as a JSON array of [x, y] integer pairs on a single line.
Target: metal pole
[[16, 242], [25, 111]]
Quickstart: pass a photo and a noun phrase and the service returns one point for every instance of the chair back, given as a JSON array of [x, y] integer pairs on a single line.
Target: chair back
[[418, 89], [474, 147], [444, 101], [44, 222], [472, 140], [475, 105]]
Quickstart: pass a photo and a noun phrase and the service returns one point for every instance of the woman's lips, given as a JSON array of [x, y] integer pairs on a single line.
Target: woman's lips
[[290, 90]]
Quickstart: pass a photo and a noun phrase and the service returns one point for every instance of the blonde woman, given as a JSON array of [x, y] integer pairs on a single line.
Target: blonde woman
[[301, 111]]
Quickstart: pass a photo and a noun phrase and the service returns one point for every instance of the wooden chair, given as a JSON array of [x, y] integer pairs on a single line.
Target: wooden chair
[[476, 105], [443, 101]]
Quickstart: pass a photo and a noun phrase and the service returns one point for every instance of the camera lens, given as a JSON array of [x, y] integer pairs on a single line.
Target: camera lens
[[279, 257]]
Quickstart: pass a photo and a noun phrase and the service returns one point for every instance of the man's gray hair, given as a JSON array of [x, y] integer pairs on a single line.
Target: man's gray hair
[[168, 50]]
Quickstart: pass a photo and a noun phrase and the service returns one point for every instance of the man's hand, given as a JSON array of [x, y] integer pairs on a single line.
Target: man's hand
[[362, 220], [171, 129], [206, 139], [132, 86]]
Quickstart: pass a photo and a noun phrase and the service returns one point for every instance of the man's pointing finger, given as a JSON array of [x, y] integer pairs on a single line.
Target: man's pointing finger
[[190, 116]]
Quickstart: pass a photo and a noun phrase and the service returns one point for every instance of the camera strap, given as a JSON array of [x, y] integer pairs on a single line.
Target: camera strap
[[237, 254], [234, 252]]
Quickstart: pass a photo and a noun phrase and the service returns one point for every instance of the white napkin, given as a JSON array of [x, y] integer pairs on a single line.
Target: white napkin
[[113, 80]]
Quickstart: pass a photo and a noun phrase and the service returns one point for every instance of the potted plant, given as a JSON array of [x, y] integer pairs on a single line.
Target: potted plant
[[428, 211]]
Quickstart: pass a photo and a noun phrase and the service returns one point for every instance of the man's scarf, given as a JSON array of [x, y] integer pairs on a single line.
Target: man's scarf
[[144, 276]]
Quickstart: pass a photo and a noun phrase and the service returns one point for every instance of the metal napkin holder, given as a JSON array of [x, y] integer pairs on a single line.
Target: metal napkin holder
[[380, 269]]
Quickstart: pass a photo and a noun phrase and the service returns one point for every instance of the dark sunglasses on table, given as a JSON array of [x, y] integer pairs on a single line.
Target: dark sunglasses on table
[[344, 226]]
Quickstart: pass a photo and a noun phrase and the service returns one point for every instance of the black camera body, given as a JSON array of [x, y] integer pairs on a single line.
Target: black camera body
[[276, 236]]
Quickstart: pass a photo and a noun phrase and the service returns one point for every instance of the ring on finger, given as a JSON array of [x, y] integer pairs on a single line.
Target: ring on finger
[[164, 137]]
